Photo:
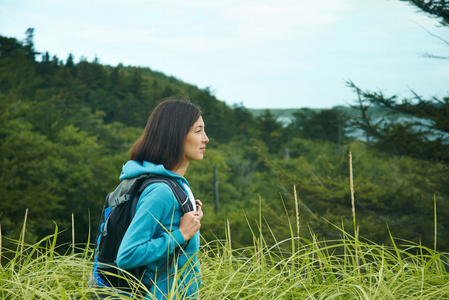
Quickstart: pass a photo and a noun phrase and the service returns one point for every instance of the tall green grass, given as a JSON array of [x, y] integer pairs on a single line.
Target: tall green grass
[[39, 272], [315, 270], [293, 268]]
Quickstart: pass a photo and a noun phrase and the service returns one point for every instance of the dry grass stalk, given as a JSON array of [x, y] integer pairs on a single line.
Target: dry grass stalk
[[297, 209], [351, 183], [73, 233], [229, 234], [23, 231], [356, 228], [229, 240], [356, 248]]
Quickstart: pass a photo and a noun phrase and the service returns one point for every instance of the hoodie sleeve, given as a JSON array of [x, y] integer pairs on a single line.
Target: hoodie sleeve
[[148, 237]]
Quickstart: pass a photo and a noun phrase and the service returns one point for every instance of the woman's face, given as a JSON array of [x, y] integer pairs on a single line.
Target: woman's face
[[195, 143]]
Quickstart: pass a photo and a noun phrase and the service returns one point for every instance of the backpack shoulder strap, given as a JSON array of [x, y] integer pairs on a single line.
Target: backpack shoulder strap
[[182, 198]]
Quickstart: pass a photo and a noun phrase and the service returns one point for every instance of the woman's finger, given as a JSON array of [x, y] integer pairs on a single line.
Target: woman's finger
[[199, 212]]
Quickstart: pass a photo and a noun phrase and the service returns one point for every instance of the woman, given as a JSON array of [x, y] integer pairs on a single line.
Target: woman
[[173, 137]]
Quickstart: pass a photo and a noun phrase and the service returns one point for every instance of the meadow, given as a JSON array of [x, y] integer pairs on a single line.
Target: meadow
[[349, 267]]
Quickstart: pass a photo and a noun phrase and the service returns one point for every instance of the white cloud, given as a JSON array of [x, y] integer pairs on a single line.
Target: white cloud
[[275, 20], [112, 34]]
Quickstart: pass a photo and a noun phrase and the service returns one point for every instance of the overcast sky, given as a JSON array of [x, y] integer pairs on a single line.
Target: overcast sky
[[263, 54]]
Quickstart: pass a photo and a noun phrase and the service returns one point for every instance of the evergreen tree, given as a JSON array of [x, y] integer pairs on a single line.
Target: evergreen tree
[[435, 8], [29, 45], [414, 127], [270, 131], [70, 63], [325, 124], [423, 134]]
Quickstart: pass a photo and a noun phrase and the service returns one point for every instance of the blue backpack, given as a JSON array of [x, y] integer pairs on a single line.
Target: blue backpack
[[118, 211]]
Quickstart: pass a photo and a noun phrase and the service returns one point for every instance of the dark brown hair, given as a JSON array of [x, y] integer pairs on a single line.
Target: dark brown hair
[[162, 141]]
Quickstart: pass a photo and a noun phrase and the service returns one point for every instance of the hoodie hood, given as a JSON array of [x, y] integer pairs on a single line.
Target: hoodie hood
[[133, 168]]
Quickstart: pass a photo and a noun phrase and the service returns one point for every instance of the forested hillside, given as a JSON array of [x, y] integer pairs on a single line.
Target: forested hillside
[[66, 129]]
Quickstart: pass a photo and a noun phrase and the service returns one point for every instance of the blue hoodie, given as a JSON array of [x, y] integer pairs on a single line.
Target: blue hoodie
[[154, 234]]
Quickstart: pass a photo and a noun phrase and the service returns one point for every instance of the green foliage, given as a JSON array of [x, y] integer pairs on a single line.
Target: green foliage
[[326, 124], [270, 131], [415, 131], [66, 130], [386, 191]]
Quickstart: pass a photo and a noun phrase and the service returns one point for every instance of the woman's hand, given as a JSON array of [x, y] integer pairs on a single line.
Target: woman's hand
[[189, 224]]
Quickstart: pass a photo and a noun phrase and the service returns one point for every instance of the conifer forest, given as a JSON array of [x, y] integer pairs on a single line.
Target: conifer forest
[[66, 129]]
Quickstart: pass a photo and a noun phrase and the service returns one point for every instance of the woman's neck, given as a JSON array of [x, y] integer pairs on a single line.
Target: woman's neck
[[181, 170]]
